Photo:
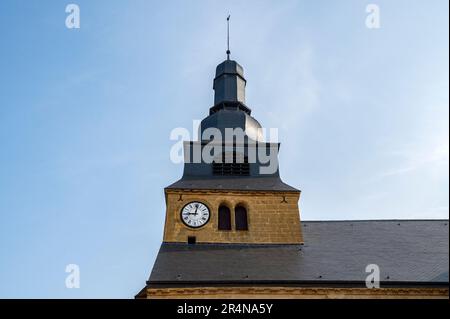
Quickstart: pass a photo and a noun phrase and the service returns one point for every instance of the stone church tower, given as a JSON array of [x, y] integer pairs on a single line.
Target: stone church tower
[[233, 229], [238, 200]]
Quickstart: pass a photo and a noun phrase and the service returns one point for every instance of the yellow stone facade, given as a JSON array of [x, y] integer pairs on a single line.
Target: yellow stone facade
[[273, 217]]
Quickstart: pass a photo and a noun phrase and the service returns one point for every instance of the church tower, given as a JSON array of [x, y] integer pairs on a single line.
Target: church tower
[[231, 191]]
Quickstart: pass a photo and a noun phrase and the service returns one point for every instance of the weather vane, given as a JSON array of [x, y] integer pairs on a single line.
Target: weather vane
[[228, 37]]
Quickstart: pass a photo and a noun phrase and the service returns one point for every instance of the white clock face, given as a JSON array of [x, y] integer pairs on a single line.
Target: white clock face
[[195, 214]]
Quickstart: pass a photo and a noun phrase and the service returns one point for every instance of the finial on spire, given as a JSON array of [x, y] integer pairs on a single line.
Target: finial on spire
[[228, 37]]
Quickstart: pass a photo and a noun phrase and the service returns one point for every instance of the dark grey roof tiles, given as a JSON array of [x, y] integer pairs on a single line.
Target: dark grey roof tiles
[[242, 183], [413, 251]]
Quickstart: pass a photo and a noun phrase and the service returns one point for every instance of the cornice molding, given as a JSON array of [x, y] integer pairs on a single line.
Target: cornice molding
[[297, 293]]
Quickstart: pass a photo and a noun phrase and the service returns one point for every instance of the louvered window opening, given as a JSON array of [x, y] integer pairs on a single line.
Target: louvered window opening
[[238, 167]]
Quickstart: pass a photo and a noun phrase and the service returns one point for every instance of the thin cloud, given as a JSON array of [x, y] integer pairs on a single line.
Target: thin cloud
[[415, 159]]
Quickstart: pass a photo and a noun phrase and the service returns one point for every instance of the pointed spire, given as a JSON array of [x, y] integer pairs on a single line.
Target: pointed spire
[[229, 83], [228, 37]]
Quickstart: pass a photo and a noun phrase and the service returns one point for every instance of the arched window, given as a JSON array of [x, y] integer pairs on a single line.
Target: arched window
[[240, 214], [224, 218]]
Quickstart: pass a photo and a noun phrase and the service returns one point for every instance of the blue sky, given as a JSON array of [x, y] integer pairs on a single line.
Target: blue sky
[[85, 118]]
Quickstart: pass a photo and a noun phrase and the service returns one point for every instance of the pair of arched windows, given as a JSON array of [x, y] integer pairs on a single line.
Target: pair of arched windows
[[240, 218]]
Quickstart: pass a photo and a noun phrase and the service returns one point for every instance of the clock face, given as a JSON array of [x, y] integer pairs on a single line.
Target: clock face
[[195, 214]]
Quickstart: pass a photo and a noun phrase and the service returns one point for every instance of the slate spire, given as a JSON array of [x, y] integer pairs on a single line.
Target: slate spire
[[229, 83]]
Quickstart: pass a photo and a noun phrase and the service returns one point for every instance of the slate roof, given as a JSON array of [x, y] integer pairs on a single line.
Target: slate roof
[[232, 183], [408, 252]]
